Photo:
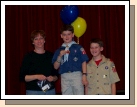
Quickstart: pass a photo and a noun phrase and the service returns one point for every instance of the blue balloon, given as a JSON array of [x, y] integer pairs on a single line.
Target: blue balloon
[[69, 13]]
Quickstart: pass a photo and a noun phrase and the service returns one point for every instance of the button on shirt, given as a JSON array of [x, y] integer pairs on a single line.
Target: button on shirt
[[76, 57]]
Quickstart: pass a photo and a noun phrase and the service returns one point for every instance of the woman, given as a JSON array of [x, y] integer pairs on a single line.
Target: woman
[[37, 69]]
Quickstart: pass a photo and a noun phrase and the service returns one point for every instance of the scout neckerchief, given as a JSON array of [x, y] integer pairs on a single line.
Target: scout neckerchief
[[67, 48]]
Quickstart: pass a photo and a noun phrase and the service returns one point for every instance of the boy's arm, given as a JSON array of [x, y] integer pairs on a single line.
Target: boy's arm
[[113, 89], [57, 62], [84, 67], [86, 90], [84, 70]]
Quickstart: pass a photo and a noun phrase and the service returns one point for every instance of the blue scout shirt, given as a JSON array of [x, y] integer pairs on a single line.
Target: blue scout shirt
[[76, 57]]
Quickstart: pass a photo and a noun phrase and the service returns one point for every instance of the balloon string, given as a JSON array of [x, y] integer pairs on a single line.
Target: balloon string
[[77, 40]]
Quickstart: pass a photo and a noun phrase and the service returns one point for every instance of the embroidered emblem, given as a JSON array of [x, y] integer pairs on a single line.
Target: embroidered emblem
[[111, 60], [114, 69], [82, 50], [75, 59], [106, 67]]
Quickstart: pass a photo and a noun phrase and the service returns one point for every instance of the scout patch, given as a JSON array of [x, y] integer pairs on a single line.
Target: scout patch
[[114, 69], [106, 67], [113, 66], [82, 50], [75, 59]]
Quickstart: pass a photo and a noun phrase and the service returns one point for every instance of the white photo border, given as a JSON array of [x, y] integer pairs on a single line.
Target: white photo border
[[126, 3]]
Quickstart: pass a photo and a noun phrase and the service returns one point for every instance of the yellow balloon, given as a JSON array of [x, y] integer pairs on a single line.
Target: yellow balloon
[[80, 26]]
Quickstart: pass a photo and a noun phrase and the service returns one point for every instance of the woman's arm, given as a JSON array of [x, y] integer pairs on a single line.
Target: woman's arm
[[34, 77]]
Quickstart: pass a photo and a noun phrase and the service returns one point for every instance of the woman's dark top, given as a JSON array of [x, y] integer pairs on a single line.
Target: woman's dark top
[[34, 63]]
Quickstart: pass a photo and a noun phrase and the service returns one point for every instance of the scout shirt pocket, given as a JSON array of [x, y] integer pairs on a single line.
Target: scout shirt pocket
[[105, 84], [74, 60], [91, 78], [105, 76], [90, 75], [105, 79]]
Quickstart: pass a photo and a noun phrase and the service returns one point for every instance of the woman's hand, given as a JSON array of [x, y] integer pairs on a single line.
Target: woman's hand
[[52, 78], [40, 77]]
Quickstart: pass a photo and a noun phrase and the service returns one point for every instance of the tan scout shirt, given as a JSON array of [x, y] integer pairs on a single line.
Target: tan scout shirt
[[101, 77]]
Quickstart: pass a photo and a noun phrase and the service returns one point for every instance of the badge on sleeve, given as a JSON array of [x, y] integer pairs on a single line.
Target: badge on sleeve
[[82, 50], [114, 69], [113, 66]]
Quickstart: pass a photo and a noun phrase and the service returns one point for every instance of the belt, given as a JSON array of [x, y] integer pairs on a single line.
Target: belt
[[71, 71]]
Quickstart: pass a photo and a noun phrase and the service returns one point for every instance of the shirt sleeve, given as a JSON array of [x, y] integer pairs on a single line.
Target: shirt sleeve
[[113, 73], [55, 56], [83, 54], [24, 68]]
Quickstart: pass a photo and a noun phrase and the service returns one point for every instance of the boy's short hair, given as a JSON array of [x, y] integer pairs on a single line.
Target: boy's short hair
[[67, 28], [36, 32], [97, 40]]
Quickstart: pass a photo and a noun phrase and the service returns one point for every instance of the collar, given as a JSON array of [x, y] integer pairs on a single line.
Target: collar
[[72, 42], [104, 59]]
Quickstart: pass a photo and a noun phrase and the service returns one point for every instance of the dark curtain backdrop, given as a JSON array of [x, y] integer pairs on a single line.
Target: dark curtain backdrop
[[104, 21]]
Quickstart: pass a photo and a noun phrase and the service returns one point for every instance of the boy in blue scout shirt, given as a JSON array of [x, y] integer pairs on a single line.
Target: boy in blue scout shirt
[[71, 60], [101, 71]]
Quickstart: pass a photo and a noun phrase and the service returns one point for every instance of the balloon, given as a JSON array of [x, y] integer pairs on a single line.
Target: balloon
[[69, 13], [80, 26]]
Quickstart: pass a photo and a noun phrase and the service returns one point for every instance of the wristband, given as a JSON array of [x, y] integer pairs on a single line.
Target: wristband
[[58, 61], [84, 74]]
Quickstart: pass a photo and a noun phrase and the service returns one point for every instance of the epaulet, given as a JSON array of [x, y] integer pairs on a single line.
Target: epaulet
[[111, 60], [75, 45], [108, 59]]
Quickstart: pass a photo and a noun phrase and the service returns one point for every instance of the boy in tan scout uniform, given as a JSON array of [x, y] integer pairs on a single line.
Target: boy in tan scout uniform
[[101, 72]]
